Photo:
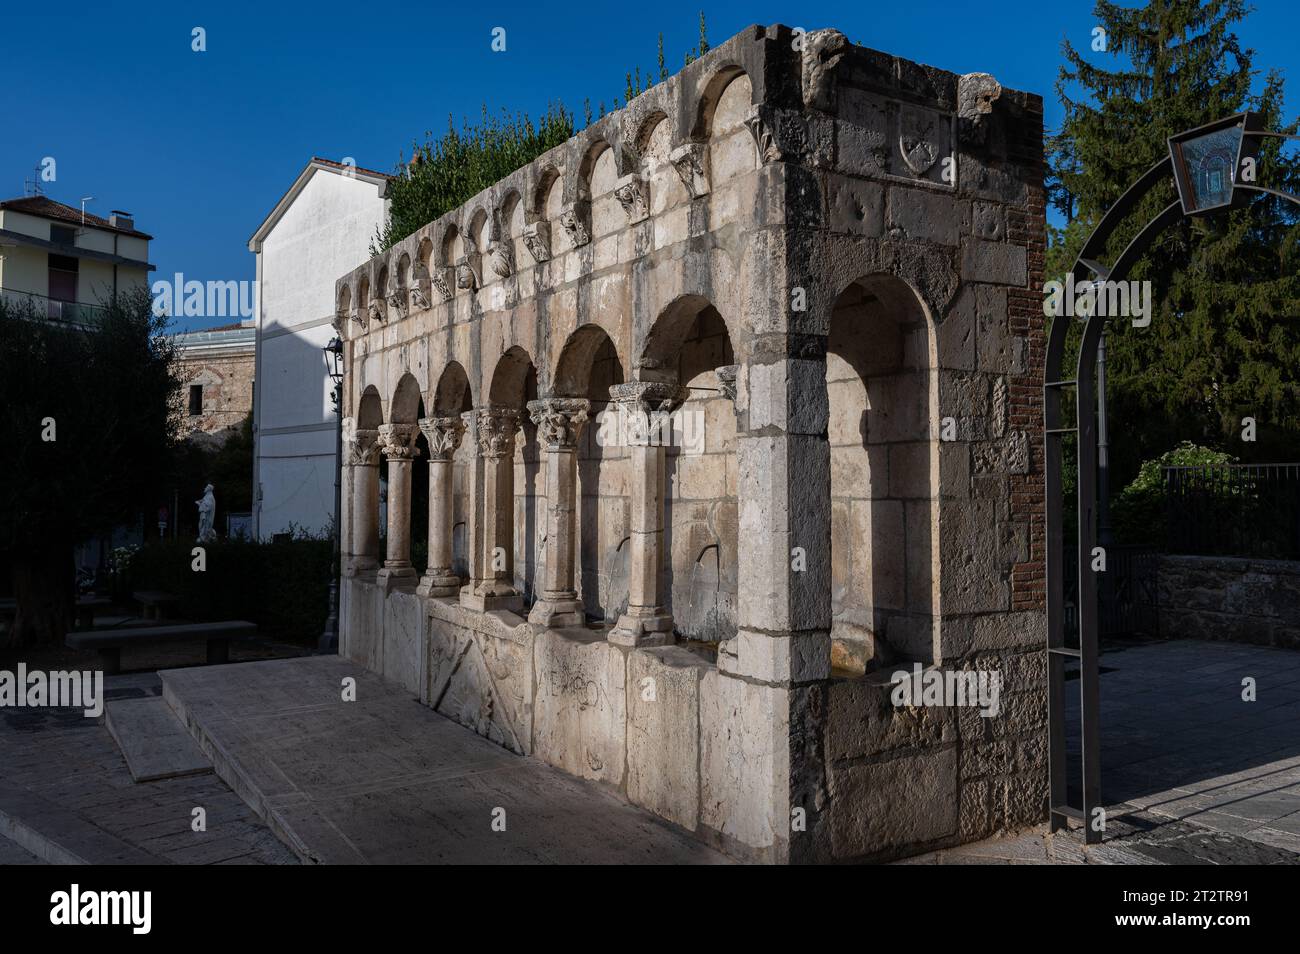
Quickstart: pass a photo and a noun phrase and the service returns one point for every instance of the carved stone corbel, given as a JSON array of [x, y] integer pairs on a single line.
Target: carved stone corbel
[[976, 93], [575, 219], [537, 239], [467, 272], [378, 311], [690, 159], [727, 380], [397, 301], [633, 194], [501, 257], [420, 289], [822, 52], [442, 283], [762, 126]]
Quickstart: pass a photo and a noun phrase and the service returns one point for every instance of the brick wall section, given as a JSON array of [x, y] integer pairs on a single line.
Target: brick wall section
[[1025, 391]]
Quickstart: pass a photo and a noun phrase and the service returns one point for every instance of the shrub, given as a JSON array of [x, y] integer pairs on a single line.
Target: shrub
[[1138, 511], [283, 587]]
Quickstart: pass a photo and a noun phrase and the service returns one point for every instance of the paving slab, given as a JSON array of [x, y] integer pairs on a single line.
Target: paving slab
[[153, 741], [386, 780]]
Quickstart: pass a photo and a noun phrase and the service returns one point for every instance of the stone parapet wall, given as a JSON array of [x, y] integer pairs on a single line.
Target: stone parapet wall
[[1234, 599]]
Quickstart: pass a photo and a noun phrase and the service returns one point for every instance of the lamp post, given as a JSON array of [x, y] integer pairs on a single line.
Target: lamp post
[[329, 639]]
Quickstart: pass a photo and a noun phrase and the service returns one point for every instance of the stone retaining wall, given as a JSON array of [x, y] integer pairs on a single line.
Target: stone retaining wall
[[1237, 599]]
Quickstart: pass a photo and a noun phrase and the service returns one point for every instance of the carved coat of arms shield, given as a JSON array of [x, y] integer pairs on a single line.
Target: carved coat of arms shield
[[916, 140]]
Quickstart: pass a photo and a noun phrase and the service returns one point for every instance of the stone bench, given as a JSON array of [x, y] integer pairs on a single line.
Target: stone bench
[[109, 642], [155, 602], [86, 606]]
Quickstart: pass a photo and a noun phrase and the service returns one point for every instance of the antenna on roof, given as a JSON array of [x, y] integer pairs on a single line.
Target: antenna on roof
[[32, 186], [84, 200]]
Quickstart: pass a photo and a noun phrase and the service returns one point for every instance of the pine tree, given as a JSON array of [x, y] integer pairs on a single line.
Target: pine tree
[[1223, 341]]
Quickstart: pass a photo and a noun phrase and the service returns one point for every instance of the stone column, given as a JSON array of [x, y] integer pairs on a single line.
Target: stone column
[[398, 441], [363, 538], [495, 428], [645, 410], [443, 434], [559, 422]]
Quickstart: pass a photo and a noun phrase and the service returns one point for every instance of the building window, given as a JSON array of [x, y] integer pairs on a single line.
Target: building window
[[63, 235], [63, 278], [196, 400]]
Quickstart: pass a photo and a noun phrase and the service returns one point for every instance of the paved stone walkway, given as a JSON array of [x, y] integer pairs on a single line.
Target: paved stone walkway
[[385, 780], [65, 778], [1178, 742]]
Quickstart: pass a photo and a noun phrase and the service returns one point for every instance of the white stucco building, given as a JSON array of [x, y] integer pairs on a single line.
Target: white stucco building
[[321, 228]]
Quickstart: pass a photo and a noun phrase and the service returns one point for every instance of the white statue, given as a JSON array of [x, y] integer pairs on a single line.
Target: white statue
[[207, 511]]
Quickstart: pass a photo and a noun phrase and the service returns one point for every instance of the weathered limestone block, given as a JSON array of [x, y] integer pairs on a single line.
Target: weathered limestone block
[[403, 639], [995, 262], [364, 623], [745, 764], [580, 714], [863, 721], [923, 215], [663, 744], [903, 802]]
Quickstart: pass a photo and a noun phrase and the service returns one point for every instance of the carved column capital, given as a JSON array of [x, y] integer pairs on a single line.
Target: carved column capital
[[398, 441], [690, 159], [377, 310], [537, 239], [363, 448], [727, 380], [443, 433], [501, 256], [559, 420], [633, 195], [495, 428], [574, 218], [645, 410]]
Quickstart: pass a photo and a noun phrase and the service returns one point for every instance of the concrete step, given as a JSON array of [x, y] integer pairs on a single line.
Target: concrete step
[[153, 741], [59, 836]]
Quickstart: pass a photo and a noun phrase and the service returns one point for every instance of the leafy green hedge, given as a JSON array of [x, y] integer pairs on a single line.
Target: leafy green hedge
[[282, 587], [1138, 511]]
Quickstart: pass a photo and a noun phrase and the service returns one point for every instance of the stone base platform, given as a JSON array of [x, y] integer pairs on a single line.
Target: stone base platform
[[386, 780]]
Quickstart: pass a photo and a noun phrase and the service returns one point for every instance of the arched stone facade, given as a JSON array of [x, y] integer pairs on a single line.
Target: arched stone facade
[[729, 409]]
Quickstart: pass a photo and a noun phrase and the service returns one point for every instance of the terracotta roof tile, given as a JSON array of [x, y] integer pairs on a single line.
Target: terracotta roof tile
[[46, 208]]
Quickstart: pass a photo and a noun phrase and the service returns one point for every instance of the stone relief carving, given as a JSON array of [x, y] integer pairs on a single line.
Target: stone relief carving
[[976, 93], [438, 282], [397, 301], [574, 219], [559, 420], [363, 448], [501, 257], [537, 239], [822, 52], [444, 434], [377, 310], [691, 162], [917, 139], [398, 441], [633, 194], [495, 428], [727, 381]]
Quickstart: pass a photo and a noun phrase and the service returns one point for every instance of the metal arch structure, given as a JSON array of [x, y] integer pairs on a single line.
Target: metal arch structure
[[1247, 128]]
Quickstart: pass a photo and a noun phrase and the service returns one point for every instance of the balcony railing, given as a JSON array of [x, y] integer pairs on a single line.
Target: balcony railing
[[67, 312]]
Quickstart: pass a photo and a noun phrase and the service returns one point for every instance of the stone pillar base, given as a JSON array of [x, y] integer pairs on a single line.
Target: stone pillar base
[[557, 613], [651, 630], [396, 578], [487, 602], [438, 584]]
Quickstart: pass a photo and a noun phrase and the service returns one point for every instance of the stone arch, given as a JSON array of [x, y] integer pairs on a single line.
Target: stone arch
[[404, 271], [513, 384], [731, 148], [424, 254], [363, 294], [405, 406], [882, 391], [452, 248], [541, 205], [370, 409], [452, 395], [654, 146], [597, 176], [588, 367], [480, 230], [711, 94], [690, 345], [381, 282], [345, 300]]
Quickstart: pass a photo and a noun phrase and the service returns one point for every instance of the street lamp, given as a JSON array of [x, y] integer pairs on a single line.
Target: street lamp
[[333, 352]]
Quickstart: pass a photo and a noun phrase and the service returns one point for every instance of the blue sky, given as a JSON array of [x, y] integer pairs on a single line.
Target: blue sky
[[200, 146]]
